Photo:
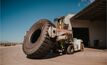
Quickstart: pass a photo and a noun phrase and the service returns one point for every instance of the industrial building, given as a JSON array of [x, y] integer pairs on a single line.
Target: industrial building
[[90, 24]]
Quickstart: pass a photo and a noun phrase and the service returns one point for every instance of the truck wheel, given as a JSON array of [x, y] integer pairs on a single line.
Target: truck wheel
[[36, 42], [70, 49], [82, 47]]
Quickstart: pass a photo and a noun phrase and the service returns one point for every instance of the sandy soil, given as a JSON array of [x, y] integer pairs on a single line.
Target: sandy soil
[[14, 55]]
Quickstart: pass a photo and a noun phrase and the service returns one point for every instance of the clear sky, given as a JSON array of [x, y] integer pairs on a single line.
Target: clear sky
[[17, 16]]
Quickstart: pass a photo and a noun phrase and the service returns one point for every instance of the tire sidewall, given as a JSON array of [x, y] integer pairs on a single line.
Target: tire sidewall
[[29, 47], [70, 49]]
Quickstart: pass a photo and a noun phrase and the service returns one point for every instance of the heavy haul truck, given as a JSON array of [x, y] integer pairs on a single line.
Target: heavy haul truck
[[44, 36]]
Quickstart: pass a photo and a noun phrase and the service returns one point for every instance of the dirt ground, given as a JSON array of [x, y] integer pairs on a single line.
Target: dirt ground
[[14, 55]]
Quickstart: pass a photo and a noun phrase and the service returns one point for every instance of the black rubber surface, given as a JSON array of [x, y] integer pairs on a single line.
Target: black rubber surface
[[70, 49], [36, 42]]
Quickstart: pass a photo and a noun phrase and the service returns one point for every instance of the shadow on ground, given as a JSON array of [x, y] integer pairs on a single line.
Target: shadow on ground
[[52, 55], [48, 56]]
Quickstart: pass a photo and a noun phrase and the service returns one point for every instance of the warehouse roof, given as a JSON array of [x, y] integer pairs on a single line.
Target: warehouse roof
[[95, 11]]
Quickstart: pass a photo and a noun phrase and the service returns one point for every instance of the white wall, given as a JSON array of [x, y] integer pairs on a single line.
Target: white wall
[[97, 30], [81, 23]]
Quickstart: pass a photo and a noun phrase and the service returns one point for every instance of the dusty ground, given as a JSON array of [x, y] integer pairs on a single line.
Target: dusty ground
[[14, 55]]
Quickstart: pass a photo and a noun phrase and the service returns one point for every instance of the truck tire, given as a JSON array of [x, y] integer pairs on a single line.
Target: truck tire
[[82, 47], [70, 49], [36, 42]]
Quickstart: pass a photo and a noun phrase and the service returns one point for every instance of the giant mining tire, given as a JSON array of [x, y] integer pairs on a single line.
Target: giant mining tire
[[36, 42]]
